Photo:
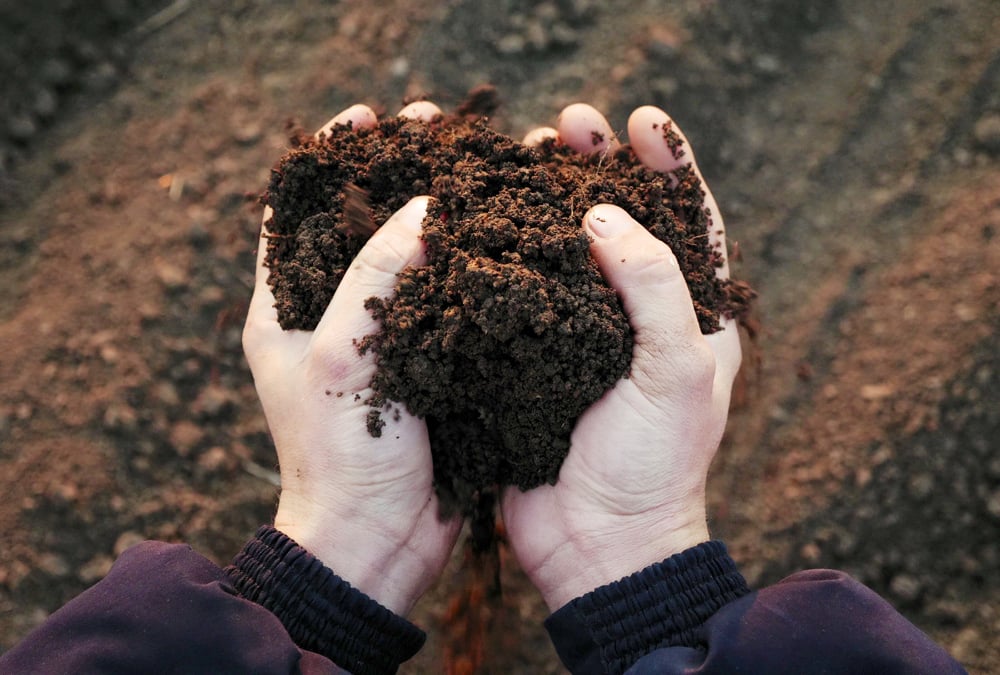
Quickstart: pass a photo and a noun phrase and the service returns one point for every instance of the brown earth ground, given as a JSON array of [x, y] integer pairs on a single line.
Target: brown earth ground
[[853, 148]]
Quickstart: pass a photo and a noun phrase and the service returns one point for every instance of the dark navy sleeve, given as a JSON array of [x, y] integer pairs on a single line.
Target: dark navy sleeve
[[165, 609], [693, 613], [321, 611]]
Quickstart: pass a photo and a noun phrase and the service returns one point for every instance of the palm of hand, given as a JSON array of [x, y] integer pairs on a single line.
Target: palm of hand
[[632, 489], [363, 505]]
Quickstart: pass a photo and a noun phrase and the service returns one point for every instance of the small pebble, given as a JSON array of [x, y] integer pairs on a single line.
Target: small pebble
[[120, 416], [987, 132], [45, 104], [169, 274], [184, 436], [399, 68], [21, 127], [127, 540], [212, 402], [993, 504], [216, 460], [56, 72], [95, 569], [54, 565], [906, 587]]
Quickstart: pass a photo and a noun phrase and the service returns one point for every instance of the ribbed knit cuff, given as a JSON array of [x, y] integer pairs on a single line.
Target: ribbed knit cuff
[[321, 611], [664, 605]]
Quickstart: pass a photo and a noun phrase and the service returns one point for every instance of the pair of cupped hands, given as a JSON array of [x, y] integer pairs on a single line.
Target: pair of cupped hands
[[630, 493]]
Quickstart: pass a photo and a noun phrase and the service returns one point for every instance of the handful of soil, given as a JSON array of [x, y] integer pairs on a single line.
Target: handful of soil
[[508, 332]]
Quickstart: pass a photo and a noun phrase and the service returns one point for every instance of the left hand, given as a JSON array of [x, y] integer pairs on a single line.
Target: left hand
[[365, 506], [631, 492]]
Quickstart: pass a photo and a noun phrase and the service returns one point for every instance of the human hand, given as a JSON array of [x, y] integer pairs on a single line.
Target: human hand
[[631, 492], [364, 506]]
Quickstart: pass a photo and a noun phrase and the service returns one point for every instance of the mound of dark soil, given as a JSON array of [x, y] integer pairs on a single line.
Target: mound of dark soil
[[508, 332]]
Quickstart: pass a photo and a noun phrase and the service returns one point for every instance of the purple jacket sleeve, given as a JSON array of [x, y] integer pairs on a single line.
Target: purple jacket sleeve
[[165, 609], [693, 613]]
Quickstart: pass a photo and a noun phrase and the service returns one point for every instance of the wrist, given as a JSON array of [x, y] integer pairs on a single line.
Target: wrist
[[362, 556], [587, 562]]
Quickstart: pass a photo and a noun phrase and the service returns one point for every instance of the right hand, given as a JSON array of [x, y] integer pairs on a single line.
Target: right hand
[[631, 492]]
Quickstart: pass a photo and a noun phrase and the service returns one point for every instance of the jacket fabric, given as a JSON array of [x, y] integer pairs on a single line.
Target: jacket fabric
[[163, 608]]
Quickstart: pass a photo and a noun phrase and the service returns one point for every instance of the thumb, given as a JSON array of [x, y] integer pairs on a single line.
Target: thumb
[[393, 247], [645, 273]]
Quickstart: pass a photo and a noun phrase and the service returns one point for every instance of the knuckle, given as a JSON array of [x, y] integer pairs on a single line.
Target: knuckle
[[736, 358], [656, 265], [680, 365], [381, 256], [251, 342], [701, 364], [728, 350], [328, 366]]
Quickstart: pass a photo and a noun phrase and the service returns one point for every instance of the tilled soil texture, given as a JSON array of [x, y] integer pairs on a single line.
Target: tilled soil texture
[[853, 147], [508, 332]]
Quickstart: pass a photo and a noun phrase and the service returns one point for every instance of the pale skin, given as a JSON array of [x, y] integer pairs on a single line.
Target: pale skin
[[630, 493], [632, 490], [364, 506]]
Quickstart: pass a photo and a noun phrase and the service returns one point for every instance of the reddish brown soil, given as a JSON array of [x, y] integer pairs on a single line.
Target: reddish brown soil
[[508, 332]]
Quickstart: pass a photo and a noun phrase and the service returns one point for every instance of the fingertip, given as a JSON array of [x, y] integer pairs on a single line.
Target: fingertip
[[403, 229], [425, 111], [624, 250], [583, 128], [645, 117], [262, 327], [657, 140], [606, 221], [373, 272], [661, 146], [412, 214], [536, 137], [261, 267], [359, 116]]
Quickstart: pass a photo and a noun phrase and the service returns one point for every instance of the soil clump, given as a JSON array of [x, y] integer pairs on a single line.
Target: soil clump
[[508, 332]]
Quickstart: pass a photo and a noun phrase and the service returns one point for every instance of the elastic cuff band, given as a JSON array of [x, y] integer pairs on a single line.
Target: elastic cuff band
[[322, 612], [664, 605]]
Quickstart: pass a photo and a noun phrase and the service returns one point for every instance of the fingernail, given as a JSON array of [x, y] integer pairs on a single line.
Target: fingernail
[[416, 211], [606, 221]]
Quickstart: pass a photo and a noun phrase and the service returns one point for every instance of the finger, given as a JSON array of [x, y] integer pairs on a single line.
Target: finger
[[645, 273], [662, 146], [536, 137], [392, 248], [262, 304], [359, 116], [655, 137], [725, 344], [584, 129], [425, 111], [263, 338], [262, 335]]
